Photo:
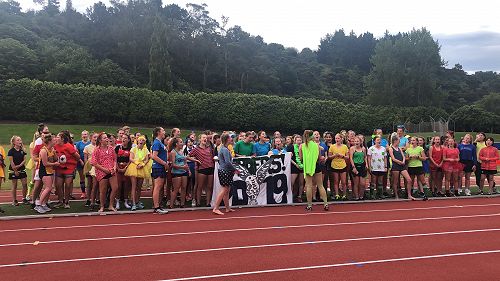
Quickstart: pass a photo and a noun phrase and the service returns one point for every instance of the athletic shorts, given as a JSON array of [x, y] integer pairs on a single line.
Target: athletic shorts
[[207, 171], [339, 171], [65, 176], [294, 170], [158, 173], [488, 172], [179, 175], [22, 175], [379, 173], [468, 164], [361, 168], [416, 171]]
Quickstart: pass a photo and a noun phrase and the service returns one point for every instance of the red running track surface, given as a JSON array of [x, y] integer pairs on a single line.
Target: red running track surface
[[433, 240]]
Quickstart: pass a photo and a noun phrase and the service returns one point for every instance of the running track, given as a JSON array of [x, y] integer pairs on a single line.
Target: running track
[[434, 240]]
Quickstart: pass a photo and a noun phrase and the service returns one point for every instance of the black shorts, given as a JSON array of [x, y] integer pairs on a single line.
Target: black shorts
[[65, 176], [488, 172], [339, 171], [294, 170], [361, 168], [158, 173], [379, 173], [107, 177], [22, 175], [225, 177], [416, 171], [207, 171], [468, 164], [180, 175]]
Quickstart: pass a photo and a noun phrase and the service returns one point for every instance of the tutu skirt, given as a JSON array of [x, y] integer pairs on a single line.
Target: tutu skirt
[[132, 171], [452, 167]]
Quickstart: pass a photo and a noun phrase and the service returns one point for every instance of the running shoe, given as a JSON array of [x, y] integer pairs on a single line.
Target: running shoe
[[46, 208], [15, 203], [140, 205], [160, 211], [59, 205], [25, 201], [337, 197], [193, 203], [66, 206], [39, 209], [28, 197], [87, 203], [325, 207], [467, 192], [126, 205], [117, 204], [309, 208], [134, 208], [344, 198]]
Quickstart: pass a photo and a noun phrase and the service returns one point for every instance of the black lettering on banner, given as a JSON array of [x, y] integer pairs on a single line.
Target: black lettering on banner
[[278, 164], [277, 185], [239, 185]]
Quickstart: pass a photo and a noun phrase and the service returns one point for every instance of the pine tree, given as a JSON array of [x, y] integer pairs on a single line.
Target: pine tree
[[160, 77]]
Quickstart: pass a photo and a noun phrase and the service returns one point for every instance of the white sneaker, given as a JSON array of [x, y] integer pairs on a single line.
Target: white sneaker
[[193, 203], [177, 202], [46, 208], [126, 204], [39, 209], [459, 191], [117, 205], [467, 192], [28, 197]]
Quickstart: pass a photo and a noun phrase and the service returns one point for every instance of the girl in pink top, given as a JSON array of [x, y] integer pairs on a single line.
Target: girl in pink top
[[451, 165], [104, 161], [204, 153], [488, 157], [436, 165]]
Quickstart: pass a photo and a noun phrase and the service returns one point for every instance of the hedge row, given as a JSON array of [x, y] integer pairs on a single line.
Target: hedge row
[[33, 100]]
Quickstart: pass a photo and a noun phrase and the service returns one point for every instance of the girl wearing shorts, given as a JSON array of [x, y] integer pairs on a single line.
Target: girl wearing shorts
[[488, 157], [416, 155], [204, 154], [48, 161], [451, 166], [137, 171], [104, 161], [357, 157], [309, 153], [89, 171], [338, 153], [377, 161], [123, 160], [65, 172], [468, 159], [180, 171], [17, 170], [398, 167], [296, 169], [436, 163]]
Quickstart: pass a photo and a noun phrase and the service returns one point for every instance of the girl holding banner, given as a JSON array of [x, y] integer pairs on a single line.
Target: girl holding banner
[[225, 173], [309, 154]]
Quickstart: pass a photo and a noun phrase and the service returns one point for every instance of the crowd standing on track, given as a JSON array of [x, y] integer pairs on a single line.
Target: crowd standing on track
[[113, 168]]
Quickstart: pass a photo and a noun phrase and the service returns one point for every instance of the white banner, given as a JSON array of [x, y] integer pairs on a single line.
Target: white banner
[[262, 180]]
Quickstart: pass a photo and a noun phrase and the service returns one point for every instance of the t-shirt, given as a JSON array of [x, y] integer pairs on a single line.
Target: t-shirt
[[204, 155], [403, 141], [122, 154], [159, 147], [338, 163], [139, 154], [67, 150], [467, 152], [414, 151], [243, 148], [17, 157], [260, 149], [89, 149], [378, 155], [80, 146]]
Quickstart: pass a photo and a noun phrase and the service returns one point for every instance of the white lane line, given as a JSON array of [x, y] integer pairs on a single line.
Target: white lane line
[[248, 217], [249, 247], [336, 265], [244, 229]]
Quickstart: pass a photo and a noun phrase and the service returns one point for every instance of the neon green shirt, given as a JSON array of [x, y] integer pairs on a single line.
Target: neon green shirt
[[310, 153]]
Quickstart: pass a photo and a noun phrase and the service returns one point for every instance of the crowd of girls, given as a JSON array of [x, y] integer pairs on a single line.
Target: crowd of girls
[[112, 169]]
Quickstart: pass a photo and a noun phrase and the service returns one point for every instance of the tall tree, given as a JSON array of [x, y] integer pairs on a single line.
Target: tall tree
[[159, 68]]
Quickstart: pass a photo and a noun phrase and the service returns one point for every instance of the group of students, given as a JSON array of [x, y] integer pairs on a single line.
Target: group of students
[[115, 167]]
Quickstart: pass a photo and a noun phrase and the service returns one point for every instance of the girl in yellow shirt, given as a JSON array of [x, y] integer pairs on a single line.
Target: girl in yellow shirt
[[338, 153]]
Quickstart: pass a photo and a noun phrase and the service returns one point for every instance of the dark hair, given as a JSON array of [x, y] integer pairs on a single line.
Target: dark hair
[[216, 137], [129, 141], [173, 143], [156, 131], [40, 127], [482, 133], [491, 139], [47, 138], [65, 135]]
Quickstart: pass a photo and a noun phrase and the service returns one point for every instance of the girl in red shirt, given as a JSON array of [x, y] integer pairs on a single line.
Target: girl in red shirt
[[68, 159], [204, 154], [488, 157], [104, 161], [436, 163], [451, 166]]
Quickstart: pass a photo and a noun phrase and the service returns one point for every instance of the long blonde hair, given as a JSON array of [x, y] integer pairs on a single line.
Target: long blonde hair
[[13, 139]]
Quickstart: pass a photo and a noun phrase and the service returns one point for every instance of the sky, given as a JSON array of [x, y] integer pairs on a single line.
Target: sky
[[468, 31]]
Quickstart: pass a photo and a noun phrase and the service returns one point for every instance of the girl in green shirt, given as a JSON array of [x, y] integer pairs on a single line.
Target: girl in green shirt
[[310, 154]]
